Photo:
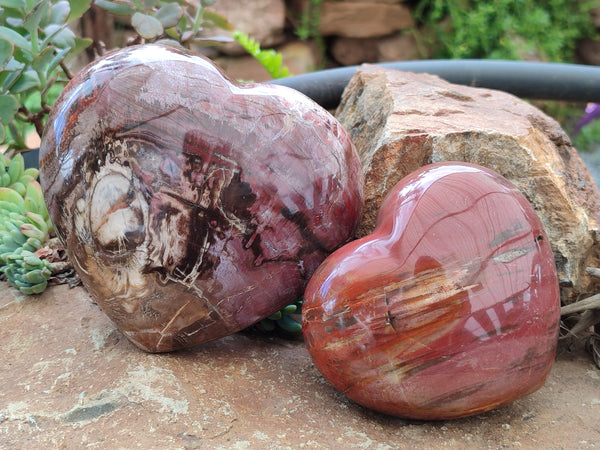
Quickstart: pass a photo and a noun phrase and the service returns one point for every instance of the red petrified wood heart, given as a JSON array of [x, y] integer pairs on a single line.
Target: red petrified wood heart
[[190, 205], [449, 308]]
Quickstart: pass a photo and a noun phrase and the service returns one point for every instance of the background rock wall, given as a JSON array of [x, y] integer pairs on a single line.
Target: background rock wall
[[352, 32], [349, 32]]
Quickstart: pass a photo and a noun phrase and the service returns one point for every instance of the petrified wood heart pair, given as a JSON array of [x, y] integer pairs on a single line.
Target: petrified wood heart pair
[[193, 206]]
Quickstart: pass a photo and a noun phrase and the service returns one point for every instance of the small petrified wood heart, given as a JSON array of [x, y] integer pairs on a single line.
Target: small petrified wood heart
[[193, 206], [449, 308]]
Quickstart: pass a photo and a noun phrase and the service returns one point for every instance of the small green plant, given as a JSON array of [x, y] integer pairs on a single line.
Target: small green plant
[[27, 272], [180, 20], [24, 226], [269, 59], [35, 48], [505, 29], [310, 20], [284, 319], [308, 28]]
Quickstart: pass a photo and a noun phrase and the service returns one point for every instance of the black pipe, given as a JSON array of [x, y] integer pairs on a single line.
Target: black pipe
[[532, 80]]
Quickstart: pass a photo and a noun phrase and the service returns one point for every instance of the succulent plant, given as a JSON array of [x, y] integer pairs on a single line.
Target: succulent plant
[[284, 319], [14, 175], [22, 232], [27, 272], [24, 226]]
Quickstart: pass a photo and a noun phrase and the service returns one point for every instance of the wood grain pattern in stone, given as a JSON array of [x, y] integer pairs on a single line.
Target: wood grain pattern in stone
[[448, 309], [190, 205]]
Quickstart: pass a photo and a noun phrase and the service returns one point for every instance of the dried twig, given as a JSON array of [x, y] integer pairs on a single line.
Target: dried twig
[[584, 322], [592, 302], [593, 346], [583, 315], [593, 271]]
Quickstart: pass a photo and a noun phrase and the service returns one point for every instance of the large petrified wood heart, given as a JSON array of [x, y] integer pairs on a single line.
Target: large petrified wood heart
[[190, 205], [449, 308]]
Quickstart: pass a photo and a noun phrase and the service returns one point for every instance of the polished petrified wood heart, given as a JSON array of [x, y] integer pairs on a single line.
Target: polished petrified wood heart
[[193, 206], [449, 308]]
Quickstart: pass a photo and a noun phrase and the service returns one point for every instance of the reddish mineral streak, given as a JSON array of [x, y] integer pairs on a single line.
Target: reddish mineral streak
[[190, 205], [449, 308]]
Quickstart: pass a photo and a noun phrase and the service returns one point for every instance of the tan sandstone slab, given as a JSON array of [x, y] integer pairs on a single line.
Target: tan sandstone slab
[[69, 379], [263, 20], [363, 19]]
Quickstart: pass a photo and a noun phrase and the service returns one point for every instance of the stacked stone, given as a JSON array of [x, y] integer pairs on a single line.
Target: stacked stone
[[356, 31], [353, 31]]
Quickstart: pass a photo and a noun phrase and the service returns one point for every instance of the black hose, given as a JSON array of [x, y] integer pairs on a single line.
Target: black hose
[[532, 80]]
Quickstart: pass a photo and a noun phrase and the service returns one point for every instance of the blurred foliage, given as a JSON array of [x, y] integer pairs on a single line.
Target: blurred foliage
[[308, 27], [269, 58], [35, 47], [180, 20], [505, 29]]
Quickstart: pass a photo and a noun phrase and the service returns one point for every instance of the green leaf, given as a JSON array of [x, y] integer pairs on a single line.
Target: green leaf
[[59, 14], [50, 31], [212, 41], [15, 38], [8, 79], [146, 26], [9, 195], [80, 45], [23, 55], [119, 7], [9, 106], [59, 35], [41, 61], [19, 4], [289, 324], [78, 8], [14, 22], [169, 15], [11, 73], [2, 135], [217, 19], [27, 80], [6, 51], [56, 59], [36, 15], [13, 66]]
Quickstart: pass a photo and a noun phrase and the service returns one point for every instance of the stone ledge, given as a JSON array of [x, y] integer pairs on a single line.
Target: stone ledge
[[69, 378]]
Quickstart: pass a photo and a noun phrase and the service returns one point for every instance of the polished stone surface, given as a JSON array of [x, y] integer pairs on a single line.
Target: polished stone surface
[[449, 308], [193, 206]]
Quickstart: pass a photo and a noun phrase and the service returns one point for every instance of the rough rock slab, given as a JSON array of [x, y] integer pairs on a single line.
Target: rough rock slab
[[263, 20], [400, 121], [71, 380], [363, 19], [396, 47]]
